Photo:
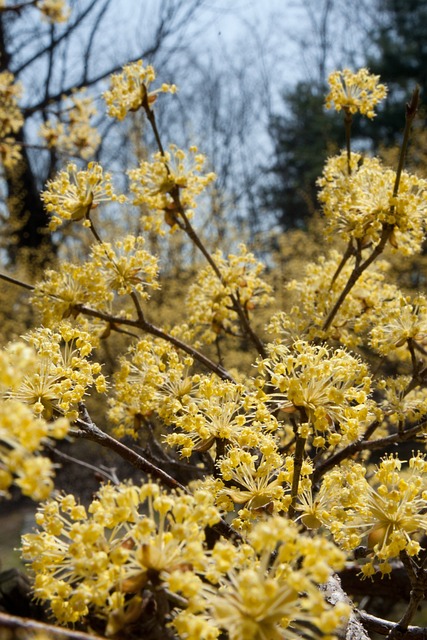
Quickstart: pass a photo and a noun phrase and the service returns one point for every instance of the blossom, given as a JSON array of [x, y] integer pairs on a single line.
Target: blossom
[[129, 89], [126, 266], [22, 437], [73, 194], [355, 92], [61, 375], [11, 119], [253, 597], [315, 293], [329, 388], [403, 320], [153, 378], [98, 561], [54, 11], [388, 510], [158, 184], [216, 413], [71, 132], [210, 303], [359, 204]]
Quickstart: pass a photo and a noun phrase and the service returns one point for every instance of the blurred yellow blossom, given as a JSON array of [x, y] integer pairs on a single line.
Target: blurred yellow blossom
[[71, 131], [158, 185], [11, 119], [54, 11], [209, 301]]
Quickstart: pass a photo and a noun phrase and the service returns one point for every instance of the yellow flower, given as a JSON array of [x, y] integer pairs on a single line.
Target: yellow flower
[[72, 194], [22, 436], [131, 540], [260, 598], [61, 375], [126, 266], [209, 299], [54, 11], [330, 389], [158, 183], [358, 205], [129, 90], [355, 92], [73, 134]]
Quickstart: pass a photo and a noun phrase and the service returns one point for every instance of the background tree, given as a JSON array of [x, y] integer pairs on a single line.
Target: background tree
[[53, 59]]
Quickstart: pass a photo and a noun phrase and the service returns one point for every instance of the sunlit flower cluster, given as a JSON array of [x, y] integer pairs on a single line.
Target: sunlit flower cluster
[[215, 414], [153, 378], [254, 596], [71, 132], [54, 11], [129, 89], [404, 320], [210, 304], [316, 293], [166, 184], [61, 374], [402, 401], [22, 436], [387, 512], [73, 194], [355, 92], [60, 293], [359, 204], [11, 119], [99, 561], [329, 388], [126, 266]]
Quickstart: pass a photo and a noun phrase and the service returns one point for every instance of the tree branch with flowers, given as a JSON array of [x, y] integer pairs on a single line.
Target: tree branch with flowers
[[282, 496]]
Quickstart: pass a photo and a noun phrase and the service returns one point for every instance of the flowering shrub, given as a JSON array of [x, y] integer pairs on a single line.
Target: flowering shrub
[[261, 490]]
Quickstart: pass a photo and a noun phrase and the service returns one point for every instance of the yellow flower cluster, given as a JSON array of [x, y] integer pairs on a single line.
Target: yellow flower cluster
[[402, 321], [357, 206], [126, 266], [73, 194], [71, 132], [252, 595], [22, 434], [54, 11], [209, 300], [153, 378], [129, 90], [387, 511], [61, 373], [328, 388], [355, 92], [170, 181], [100, 561], [11, 119], [317, 292]]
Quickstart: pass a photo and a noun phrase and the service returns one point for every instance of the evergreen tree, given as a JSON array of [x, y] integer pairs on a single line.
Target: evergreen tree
[[401, 61], [302, 140]]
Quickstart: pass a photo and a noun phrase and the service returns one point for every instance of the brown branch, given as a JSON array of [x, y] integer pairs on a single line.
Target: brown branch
[[28, 626], [366, 445], [384, 627]]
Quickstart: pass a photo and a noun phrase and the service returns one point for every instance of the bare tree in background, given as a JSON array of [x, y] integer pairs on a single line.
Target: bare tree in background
[[52, 62]]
